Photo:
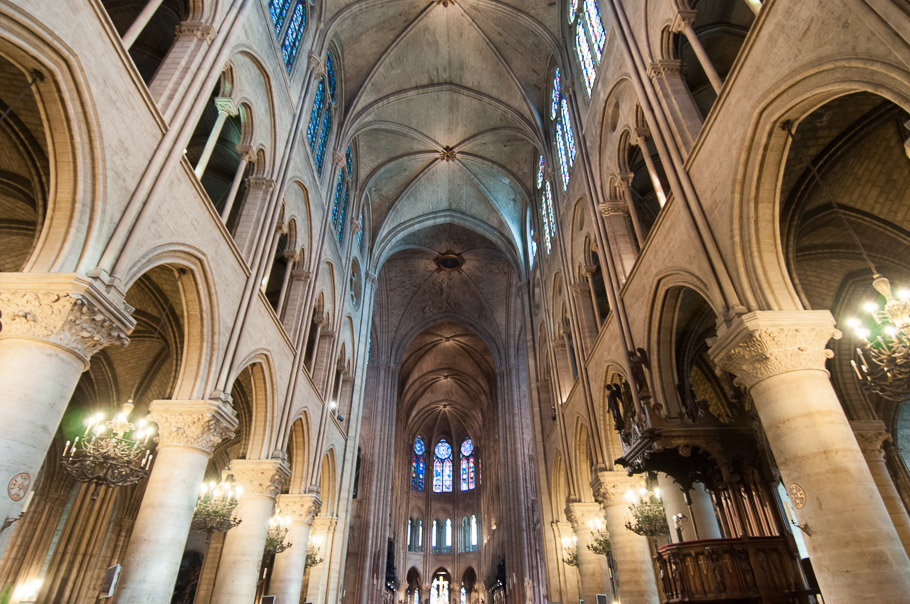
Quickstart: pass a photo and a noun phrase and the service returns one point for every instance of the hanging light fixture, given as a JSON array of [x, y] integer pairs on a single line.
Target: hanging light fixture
[[648, 517], [570, 551], [216, 506], [113, 453], [278, 530], [882, 359], [882, 362]]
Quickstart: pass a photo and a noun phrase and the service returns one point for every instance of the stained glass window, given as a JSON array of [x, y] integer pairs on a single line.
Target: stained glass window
[[336, 199], [330, 74], [418, 464], [344, 210], [533, 243], [573, 8], [595, 27], [342, 194], [360, 232], [464, 596], [546, 223], [563, 160], [277, 11], [570, 136], [292, 36], [549, 197], [540, 171], [467, 465], [473, 530], [584, 56], [554, 99], [323, 141], [315, 114], [349, 161], [442, 468]]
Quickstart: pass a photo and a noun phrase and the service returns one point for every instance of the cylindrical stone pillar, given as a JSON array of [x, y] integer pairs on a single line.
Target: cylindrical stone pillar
[[148, 11], [225, 108], [290, 565], [631, 552], [188, 432], [704, 517], [683, 23], [587, 518], [780, 358], [238, 571], [681, 527], [47, 339]]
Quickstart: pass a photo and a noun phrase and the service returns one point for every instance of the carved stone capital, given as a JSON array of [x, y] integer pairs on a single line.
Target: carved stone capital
[[79, 314], [314, 62], [260, 476], [301, 508], [246, 153], [325, 524], [640, 137], [301, 275], [613, 208], [258, 182], [683, 19], [871, 436], [338, 159], [199, 425], [610, 488], [580, 289], [355, 227], [196, 29], [225, 105], [763, 344], [666, 67], [585, 516]]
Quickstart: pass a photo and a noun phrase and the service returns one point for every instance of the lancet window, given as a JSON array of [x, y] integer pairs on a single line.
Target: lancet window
[[468, 480], [320, 124], [442, 467], [342, 195], [418, 464], [590, 37], [547, 215], [563, 132], [288, 25]]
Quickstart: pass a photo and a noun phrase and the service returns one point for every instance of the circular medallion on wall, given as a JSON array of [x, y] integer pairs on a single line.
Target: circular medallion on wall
[[797, 495], [17, 488]]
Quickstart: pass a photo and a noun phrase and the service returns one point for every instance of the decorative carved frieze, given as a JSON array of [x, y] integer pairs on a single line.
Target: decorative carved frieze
[[196, 29], [260, 476], [762, 344], [82, 321], [201, 425]]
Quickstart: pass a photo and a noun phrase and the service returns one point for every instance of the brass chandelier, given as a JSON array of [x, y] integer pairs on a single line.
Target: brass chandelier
[[113, 453], [278, 530], [647, 515], [215, 507]]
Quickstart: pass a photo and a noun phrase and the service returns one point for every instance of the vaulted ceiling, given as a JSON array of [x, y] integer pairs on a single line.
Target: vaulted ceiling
[[443, 100]]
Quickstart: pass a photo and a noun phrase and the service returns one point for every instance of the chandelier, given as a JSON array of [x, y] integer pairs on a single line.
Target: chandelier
[[570, 551], [882, 361], [312, 557], [648, 517], [278, 530], [600, 543], [215, 507], [113, 453]]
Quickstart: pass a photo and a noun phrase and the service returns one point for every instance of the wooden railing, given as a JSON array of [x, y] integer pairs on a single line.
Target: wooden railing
[[759, 570]]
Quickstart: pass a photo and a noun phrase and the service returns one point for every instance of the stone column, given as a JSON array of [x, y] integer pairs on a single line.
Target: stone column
[[290, 565], [871, 435], [615, 213], [176, 72], [780, 358], [586, 518], [246, 156], [704, 518], [675, 503], [631, 553], [584, 303], [244, 545], [323, 541], [188, 432], [640, 140], [145, 15], [51, 326], [225, 108], [683, 23], [252, 213]]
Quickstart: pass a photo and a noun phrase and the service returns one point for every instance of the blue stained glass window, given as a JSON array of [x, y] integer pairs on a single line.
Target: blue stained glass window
[[442, 468], [546, 223], [292, 36], [360, 232], [349, 161], [315, 114], [464, 474], [467, 465], [584, 56], [330, 74], [563, 160], [596, 27], [570, 136], [336, 199], [549, 196], [533, 244], [467, 447], [540, 171], [277, 11], [323, 140], [344, 211], [554, 100], [418, 465]]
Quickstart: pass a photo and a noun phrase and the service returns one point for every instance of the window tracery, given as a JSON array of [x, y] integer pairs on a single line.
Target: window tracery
[[442, 467], [467, 465], [320, 124], [547, 215], [418, 464], [590, 38], [293, 35], [563, 132]]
